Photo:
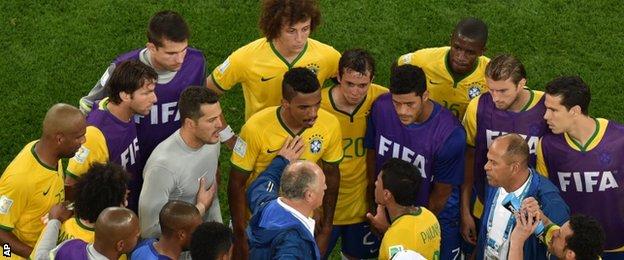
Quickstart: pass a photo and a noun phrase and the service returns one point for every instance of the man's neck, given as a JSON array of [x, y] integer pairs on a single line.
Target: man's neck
[[583, 129], [189, 139], [287, 54], [341, 102], [395, 211], [46, 153], [521, 101], [290, 122], [517, 182], [120, 111], [426, 113], [298, 205], [169, 247]]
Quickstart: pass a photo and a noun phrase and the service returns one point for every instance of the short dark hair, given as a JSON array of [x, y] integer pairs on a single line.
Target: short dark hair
[[402, 179], [104, 185], [176, 215], [167, 25], [472, 28], [128, 77], [357, 60], [191, 100], [505, 66], [210, 240], [588, 237], [573, 92], [299, 80], [275, 13], [407, 79]]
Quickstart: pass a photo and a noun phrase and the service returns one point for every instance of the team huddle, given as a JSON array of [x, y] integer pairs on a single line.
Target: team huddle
[[456, 157]]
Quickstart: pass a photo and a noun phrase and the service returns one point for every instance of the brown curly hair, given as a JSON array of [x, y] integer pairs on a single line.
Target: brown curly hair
[[278, 12]]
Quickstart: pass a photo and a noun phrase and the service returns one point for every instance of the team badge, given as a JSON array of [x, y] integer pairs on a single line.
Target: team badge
[[393, 250], [224, 65], [5, 204], [316, 143], [605, 158], [82, 154], [240, 148], [407, 58], [473, 91], [313, 67]]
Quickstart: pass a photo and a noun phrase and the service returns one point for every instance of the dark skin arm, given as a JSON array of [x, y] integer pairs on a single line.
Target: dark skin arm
[[238, 204], [438, 196], [371, 176], [468, 227], [332, 180], [17, 246]]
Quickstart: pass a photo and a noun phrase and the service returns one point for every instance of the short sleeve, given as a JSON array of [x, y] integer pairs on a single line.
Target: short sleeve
[[93, 150], [541, 163], [449, 163], [230, 72], [246, 149], [470, 121], [14, 196]]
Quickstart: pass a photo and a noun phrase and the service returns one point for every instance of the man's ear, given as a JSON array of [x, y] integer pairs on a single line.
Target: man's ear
[[119, 245]]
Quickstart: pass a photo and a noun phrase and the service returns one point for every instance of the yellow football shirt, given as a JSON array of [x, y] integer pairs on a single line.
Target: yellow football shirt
[[452, 93], [28, 189], [264, 134], [260, 70], [93, 150], [352, 203], [419, 232]]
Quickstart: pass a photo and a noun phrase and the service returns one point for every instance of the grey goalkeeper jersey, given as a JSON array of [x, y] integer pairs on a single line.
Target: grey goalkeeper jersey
[[172, 172]]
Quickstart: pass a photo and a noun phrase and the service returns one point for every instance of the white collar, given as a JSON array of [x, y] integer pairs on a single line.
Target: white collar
[[309, 223], [94, 254]]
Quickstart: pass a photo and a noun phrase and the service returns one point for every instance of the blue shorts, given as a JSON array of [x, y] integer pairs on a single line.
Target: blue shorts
[[357, 240], [449, 223], [613, 256]]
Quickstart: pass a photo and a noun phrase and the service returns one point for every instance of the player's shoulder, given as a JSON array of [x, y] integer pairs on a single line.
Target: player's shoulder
[[315, 44], [17, 172], [327, 118], [377, 90], [194, 54], [262, 118], [423, 55], [253, 47]]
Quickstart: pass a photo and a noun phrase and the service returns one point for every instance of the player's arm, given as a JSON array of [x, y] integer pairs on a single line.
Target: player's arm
[[227, 135], [93, 150], [210, 84], [15, 200], [236, 199], [371, 175], [50, 235], [157, 185], [448, 169], [540, 164], [468, 226], [97, 92]]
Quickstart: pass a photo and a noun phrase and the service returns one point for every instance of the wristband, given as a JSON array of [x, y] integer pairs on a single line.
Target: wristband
[[226, 134]]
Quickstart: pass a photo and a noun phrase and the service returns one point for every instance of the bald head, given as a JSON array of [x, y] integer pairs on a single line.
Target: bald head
[[178, 215], [117, 228], [298, 177], [61, 119], [516, 148]]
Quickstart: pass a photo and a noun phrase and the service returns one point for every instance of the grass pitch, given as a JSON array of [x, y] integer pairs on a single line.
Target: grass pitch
[[55, 51]]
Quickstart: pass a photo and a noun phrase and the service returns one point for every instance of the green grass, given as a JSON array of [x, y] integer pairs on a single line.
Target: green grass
[[55, 51]]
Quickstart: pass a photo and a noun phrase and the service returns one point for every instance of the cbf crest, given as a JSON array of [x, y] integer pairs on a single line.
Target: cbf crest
[[316, 143], [474, 90]]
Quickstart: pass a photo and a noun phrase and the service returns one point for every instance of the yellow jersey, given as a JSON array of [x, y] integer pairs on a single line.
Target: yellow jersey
[[263, 135], [419, 232], [352, 204], [260, 68], [452, 92], [93, 150], [28, 189]]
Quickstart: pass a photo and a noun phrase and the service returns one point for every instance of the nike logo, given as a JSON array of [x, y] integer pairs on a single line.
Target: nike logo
[[272, 151], [435, 83], [46, 192], [263, 79]]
